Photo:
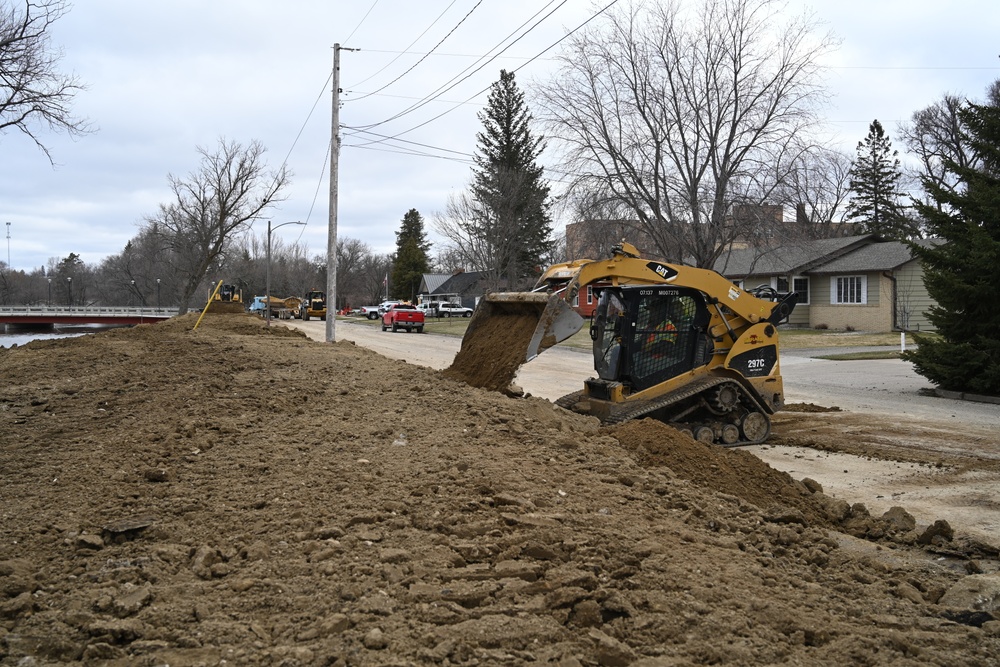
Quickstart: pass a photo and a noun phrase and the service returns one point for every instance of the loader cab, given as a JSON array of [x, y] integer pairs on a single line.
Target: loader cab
[[644, 335]]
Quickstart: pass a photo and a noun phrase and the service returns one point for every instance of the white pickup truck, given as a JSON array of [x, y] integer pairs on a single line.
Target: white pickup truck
[[375, 312]]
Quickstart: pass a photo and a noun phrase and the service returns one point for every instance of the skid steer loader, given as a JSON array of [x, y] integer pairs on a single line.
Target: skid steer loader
[[676, 343]]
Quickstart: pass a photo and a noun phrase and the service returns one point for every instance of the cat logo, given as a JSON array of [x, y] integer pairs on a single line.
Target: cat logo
[[754, 339], [662, 270]]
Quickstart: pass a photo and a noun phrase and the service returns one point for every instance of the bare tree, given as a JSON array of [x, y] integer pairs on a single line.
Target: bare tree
[[352, 257], [816, 187], [33, 93], [681, 116], [478, 239], [374, 276], [934, 136], [230, 190]]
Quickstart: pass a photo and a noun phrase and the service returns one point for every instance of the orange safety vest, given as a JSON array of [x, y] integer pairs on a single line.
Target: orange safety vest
[[659, 334]]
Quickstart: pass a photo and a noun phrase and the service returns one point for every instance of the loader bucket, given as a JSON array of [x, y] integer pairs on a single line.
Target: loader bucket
[[507, 330]]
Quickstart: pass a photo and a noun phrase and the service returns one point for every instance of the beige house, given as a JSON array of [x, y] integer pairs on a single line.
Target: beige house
[[860, 283]]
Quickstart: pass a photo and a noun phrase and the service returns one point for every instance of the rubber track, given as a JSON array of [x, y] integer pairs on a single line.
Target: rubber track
[[636, 410], [569, 400]]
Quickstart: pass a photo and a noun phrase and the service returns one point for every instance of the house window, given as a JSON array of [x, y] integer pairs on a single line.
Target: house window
[[590, 295], [781, 284], [738, 283], [849, 289], [576, 300], [800, 286]]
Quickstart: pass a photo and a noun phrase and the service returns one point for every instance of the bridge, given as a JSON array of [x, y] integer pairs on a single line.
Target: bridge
[[36, 316]]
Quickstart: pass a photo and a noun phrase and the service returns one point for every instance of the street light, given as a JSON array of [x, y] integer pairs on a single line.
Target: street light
[[49, 302], [69, 289], [131, 295], [157, 293], [267, 270]]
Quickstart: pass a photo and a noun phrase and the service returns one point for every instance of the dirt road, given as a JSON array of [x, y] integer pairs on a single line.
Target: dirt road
[[887, 445]]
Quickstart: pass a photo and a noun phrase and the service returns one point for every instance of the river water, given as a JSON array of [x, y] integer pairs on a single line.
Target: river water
[[13, 335]]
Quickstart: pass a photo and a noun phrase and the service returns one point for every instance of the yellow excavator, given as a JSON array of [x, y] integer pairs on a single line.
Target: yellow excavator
[[676, 343]]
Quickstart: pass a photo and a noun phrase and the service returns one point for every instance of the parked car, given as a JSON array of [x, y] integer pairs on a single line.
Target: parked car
[[454, 310], [384, 307], [403, 316], [429, 309]]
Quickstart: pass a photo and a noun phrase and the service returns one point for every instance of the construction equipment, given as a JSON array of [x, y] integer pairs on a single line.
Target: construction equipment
[[313, 305], [676, 343], [225, 299]]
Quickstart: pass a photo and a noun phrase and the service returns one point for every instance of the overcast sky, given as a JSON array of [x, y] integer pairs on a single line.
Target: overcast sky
[[166, 76]]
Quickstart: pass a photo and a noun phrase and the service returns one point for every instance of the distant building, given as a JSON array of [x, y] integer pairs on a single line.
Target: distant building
[[864, 283], [467, 284]]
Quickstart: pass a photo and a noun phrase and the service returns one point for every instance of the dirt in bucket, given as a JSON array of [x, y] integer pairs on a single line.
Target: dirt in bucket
[[493, 349]]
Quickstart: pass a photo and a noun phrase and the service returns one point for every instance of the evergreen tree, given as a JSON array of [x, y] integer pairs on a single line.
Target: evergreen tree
[[411, 260], [963, 271], [875, 178], [511, 212]]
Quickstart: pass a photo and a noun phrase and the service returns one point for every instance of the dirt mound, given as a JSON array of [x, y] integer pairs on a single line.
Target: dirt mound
[[730, 471], [808, 407], [490, 358], [241, 494]]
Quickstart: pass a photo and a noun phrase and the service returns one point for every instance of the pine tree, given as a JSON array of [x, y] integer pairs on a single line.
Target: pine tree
[[508, 186], [875, 175], [411, 261], [962, 272]]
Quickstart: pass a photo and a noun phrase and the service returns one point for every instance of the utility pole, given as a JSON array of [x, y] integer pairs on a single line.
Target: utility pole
[[331, 239]]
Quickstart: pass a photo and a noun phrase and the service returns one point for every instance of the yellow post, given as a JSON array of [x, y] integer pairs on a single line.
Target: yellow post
[[210, 299]]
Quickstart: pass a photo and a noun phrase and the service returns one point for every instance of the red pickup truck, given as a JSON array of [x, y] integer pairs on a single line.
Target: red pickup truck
[[403, 316]]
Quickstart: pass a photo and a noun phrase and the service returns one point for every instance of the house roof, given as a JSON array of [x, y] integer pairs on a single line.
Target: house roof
[[458, 283], [432, 281], [884, 256], [789, 258]]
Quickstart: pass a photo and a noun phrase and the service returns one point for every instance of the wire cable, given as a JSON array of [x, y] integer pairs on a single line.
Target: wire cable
[[362, 21], [414, 143], [529, 61], [425, 56], [459, 78]]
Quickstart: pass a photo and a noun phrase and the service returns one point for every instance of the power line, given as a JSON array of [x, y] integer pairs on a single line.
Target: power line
[[361, 22], [383, 137], [412, 67], [413, 153], [400, 54], [530, 60], [459, 78]]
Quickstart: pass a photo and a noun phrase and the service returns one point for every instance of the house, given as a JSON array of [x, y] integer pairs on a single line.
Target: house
[[856, 282], [860, 282], [464, 283], [431, 281]]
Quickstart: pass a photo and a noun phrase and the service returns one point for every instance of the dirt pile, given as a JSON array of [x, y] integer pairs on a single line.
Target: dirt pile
[[490, 358], [241, 494]]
